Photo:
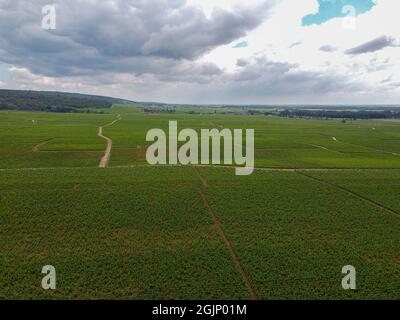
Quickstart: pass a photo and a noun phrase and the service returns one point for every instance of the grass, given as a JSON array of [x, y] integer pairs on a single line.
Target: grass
[[145, 232], [122, 233], [294, 235], [279, 143]]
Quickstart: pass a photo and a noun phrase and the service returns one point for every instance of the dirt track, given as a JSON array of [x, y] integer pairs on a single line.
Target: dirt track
[[245, 276], [352, 193], [107, 153], [36, 147]]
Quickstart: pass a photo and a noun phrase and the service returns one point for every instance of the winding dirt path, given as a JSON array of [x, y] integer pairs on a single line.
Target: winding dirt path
[[36, 147], [107, 153]]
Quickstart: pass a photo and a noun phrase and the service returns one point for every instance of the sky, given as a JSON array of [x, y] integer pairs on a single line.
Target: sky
[[206, 52], [330, 9]]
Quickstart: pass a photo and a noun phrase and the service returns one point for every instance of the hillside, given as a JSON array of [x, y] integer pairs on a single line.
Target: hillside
[[52, 101]]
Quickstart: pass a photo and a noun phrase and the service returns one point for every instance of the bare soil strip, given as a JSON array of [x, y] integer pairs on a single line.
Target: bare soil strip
[[353, 194], [216, 166], [36, 147], [107, 154], [229, 246], [324, 148], [202, 179], [371, 148], [388, 152]]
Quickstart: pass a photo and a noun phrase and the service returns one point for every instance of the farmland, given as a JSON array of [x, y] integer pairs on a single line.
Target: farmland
[[324, 195]]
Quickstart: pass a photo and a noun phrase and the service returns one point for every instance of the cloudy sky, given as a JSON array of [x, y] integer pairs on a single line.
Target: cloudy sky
[[207, 51]]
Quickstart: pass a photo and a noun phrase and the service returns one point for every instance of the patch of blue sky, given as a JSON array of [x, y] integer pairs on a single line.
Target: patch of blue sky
[[5, 74], [3, 70], [243, 44], [330, 9]]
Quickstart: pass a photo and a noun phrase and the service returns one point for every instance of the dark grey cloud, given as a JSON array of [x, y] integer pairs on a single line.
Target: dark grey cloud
[[373, 45], [159, 37], [261, 77], [241, 62], [387, 80], [295, 44], [328, 48], [150, 49]]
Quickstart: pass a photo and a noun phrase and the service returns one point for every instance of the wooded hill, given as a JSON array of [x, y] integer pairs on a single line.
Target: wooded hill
[[53, 101]]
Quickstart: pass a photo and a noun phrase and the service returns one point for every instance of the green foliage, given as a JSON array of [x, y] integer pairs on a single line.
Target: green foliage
[[132, 233], [294, 234], [52, 101], [342, 114], [144, 232]]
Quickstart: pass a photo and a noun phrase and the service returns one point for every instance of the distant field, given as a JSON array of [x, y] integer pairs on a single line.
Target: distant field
[[145, 232], [280, 143], [71, 139]]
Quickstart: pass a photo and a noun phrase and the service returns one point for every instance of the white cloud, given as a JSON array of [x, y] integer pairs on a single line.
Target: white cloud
[[276, 36], [187, 66]]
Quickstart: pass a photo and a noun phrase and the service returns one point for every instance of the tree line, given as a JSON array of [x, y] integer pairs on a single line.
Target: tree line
[[340, 114], [52, 101]]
